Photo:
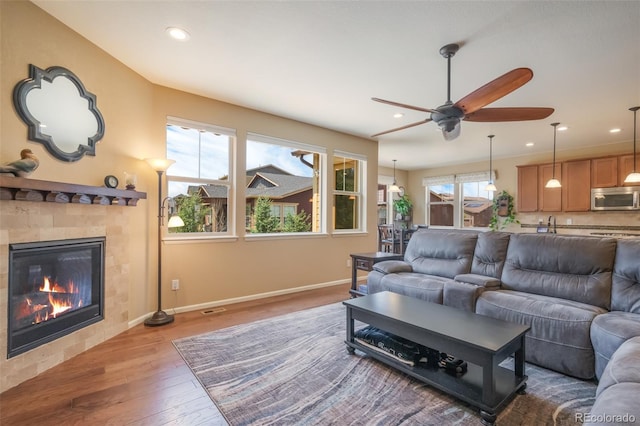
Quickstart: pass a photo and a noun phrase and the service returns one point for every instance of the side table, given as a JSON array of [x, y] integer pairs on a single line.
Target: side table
[[365, 262]]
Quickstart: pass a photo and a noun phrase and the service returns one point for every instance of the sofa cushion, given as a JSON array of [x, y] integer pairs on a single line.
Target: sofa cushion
[[559, 337], [569, 267], [441, 252], [624, 366], [490, 253], [608, 332], [420, 286], [617, 405], [625, 292]]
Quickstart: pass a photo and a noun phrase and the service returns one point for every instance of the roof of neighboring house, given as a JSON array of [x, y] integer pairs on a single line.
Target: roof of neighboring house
[[276, 185], [472, 205], [261, 184]]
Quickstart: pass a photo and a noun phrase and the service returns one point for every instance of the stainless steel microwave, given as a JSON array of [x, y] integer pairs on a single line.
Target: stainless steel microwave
[[619, 198]]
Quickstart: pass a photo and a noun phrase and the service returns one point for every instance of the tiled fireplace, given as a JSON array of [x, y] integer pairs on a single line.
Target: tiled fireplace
[[55, 288], [31, 221]]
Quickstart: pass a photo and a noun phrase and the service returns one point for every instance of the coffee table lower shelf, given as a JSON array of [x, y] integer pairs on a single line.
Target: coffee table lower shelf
[[467, 387]]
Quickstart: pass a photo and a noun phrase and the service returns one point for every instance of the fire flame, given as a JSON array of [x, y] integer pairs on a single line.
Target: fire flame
[[59, 300]]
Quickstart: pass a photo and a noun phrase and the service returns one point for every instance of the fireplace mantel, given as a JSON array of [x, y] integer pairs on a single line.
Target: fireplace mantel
[[25, 189]]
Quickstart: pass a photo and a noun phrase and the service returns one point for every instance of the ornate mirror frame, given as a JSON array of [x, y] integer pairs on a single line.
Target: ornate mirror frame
[[56, 146]]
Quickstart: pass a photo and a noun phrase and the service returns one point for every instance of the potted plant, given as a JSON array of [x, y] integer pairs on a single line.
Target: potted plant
[[502, 208], [403, 206]]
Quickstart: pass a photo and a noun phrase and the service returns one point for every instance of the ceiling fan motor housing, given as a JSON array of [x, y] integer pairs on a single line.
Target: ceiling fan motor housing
[[447, 117]]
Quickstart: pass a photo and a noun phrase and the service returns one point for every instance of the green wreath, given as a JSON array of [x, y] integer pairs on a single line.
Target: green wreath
[[502, 208]]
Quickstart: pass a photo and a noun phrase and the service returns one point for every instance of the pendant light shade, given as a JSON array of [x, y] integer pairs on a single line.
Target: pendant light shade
[[634, 176], [394, 187], [490, 186], [553, 182]]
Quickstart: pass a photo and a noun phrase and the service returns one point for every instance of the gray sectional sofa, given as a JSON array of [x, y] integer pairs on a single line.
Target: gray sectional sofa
[[579, 294]]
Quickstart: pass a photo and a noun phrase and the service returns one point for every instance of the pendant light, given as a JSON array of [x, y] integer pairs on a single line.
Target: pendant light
[[553, 182], [394, 187], [634, 176], [490, 186]]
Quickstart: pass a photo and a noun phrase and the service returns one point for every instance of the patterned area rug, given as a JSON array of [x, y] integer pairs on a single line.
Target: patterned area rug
[[295, 370]]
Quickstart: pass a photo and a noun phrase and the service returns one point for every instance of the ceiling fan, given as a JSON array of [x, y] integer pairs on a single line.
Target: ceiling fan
[[470, 108]]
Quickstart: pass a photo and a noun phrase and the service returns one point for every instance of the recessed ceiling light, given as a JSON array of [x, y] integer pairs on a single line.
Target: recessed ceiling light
[[616, 130], [178, 33], [562, 128], [529, 144], [398, 115]]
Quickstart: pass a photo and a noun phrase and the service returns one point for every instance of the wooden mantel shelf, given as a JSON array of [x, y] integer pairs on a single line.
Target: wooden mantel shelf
[[25, 189]]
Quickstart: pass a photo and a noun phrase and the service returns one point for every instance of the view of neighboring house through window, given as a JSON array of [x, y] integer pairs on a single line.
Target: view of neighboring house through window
[[284, 181], [347, 194], [459, 201], [199, 181]]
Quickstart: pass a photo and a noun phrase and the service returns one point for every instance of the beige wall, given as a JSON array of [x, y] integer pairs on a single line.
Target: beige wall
[[507, 179], [135, 112]]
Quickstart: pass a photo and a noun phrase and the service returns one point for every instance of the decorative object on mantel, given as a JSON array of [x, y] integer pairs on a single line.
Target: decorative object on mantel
[[553, 182], [23, 167], [634, 176], [130, 181], [23, 189], [160, 165], [61, 114], [502, 208], [110, 181]]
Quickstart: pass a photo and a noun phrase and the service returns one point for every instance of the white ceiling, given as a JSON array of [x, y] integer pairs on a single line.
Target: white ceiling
[[320, 62]]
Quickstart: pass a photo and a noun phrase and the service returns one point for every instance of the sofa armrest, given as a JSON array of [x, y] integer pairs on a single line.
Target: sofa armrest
[[479, 280], [392, 267]]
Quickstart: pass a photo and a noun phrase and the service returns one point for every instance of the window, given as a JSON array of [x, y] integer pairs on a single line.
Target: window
[[459, 201], [200, 180], [348, 200], [284, 186]]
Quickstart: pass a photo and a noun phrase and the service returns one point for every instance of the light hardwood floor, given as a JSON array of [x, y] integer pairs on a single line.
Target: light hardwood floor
[[137, 377]]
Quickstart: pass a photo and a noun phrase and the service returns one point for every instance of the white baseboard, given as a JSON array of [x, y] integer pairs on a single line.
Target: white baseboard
[[212, 304]]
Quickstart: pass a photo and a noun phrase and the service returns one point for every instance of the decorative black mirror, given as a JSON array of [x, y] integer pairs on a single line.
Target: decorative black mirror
[[59, 112]]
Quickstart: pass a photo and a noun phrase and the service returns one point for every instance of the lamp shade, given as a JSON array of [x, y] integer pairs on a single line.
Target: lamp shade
[[159, 164], [633, 178], [553, 183], [394, 188], [490, 187], [175, 221]]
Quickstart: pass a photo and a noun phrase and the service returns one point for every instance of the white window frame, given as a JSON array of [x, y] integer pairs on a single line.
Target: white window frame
[[229, 183], [458, 209], [322, 153], [360, 193]]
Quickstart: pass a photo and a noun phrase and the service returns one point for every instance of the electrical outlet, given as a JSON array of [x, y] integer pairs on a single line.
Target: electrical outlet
[[569, 221], [175, 285], [349, 263]]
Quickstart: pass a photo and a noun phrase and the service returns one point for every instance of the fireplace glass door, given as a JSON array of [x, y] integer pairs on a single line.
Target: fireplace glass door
[[55, 288]]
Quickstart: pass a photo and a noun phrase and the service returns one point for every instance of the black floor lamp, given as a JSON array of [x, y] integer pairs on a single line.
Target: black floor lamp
[[160, 165]]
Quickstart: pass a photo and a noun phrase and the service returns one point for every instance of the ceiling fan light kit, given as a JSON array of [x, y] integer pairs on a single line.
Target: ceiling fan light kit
[[553, 182], [470, 108], [491, 187], [634, 176]]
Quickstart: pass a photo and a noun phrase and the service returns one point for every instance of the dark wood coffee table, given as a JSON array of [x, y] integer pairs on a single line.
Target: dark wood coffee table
[[482, 341]]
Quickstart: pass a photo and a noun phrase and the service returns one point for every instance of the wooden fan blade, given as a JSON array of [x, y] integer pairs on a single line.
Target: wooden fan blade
[[494, 90], [402, 128], [509, 114], [398, 104]]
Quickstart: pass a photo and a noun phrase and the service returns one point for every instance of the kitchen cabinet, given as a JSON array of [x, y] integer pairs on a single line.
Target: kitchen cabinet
[[576, 186], [625, 166], [549, 199], [604, 172], [527, 197]]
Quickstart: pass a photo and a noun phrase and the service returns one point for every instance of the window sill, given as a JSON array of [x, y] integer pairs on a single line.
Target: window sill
[[349, 233]]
